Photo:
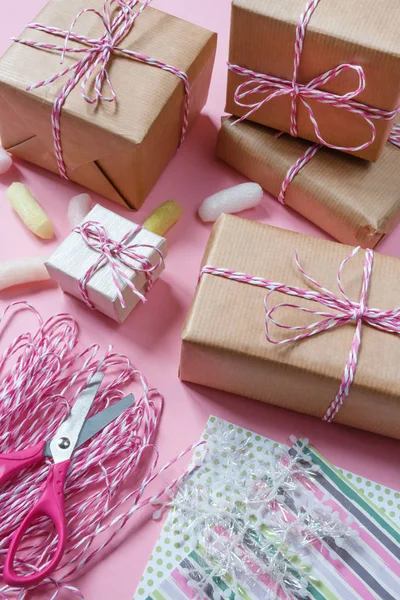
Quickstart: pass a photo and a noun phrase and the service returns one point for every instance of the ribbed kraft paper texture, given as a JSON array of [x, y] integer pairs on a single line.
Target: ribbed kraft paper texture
[[340, 31], [224, 344], [356, 202], [118, 149]]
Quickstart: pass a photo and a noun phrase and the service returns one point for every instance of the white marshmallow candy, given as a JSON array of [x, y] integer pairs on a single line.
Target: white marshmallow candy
[[232, 200], [78, 208], [5, 161], [22, 270]]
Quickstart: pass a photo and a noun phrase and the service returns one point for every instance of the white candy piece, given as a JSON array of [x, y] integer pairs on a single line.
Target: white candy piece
[[5, 161], [22, 270], [233, 200], [78, 208]]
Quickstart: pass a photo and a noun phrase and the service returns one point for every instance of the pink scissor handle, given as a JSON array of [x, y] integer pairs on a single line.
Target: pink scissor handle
[[13, 462], [50, 504]]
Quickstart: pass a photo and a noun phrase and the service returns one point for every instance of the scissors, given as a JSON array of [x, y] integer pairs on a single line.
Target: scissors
[[74, 431]]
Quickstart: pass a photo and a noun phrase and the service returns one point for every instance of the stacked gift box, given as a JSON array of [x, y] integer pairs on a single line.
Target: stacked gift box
[[278, 316], [324, 74]]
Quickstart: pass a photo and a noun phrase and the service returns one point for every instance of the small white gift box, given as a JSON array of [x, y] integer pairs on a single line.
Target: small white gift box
[[108, 262]]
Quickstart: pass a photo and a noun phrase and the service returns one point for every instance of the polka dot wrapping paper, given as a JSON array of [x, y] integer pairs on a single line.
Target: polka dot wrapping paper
[[259, 520]]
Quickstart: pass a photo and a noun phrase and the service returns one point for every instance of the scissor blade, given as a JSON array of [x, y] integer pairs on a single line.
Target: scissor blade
[[99, 421], [104, 418], [65, 440]]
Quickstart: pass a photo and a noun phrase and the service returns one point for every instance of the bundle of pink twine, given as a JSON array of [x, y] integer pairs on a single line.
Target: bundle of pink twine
[[342, 311], [42, 373], [118, 18], [117, 254], [271, 87]]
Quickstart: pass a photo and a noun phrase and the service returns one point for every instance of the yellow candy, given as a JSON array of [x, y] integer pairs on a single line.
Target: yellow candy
[[29, 211], [163, 217]]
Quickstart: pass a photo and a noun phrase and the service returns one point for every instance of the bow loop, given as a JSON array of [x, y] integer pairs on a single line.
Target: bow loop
[[100, 51], [116, 253], [70, 31], [327, 321], [316, 83], [269, 87], [117, 18], [259, 89], [344, 309]]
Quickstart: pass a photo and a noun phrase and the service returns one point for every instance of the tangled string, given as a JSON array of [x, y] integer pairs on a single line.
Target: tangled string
[[41, 374]]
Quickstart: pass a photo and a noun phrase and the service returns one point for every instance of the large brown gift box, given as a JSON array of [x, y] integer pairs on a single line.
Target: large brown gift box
[[118, 149], [224, 344], [263, 34], [356, 202]]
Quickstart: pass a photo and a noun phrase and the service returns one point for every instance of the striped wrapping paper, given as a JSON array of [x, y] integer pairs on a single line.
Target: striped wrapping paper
[[180, 567]]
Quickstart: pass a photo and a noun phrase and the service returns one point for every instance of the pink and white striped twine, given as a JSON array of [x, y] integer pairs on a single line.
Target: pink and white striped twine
[[42, 374], [118, 18], [305, 158], [345, 311], [274, 87], [116, 253]]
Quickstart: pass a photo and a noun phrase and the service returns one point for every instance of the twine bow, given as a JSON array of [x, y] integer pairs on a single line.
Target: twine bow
[[270, 87], [343, 309], [95, 57], [115, 254]]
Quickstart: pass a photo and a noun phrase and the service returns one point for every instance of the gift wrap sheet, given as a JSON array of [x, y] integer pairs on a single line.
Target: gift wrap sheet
[[221, 541]]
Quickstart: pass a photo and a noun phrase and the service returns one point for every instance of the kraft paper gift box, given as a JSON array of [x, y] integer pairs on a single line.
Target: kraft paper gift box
[[356, 202], [224, 344], [118, 149], [73, 258], [365, 34]]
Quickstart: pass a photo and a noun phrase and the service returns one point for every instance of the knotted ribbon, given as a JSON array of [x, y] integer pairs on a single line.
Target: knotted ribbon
[[115, 254], [273, 87], [95, 58], [341, 311]]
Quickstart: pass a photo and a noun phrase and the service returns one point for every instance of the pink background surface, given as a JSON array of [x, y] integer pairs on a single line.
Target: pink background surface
[[151, 336]]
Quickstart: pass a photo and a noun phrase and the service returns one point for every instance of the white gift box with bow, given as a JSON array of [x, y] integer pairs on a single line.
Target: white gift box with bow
[[121, 249]]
